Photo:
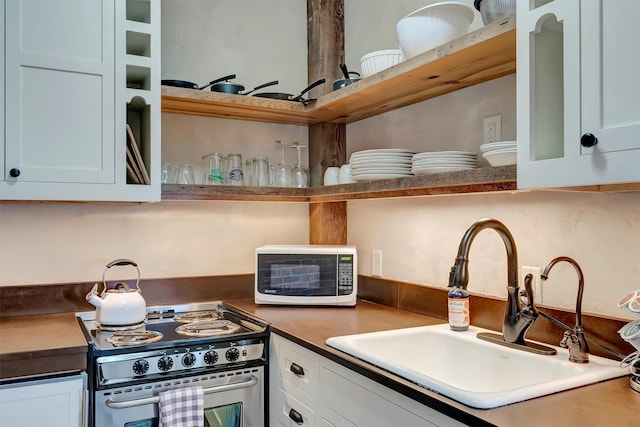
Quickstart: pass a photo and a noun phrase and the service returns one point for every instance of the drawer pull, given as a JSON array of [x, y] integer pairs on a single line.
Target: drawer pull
[[297, 369], [296, 417]]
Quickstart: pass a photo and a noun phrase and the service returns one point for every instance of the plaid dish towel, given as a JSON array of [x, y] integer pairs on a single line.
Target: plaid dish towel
[[182, 407]]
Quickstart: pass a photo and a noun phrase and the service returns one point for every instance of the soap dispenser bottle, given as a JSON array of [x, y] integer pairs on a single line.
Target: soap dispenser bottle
[[458, 309]]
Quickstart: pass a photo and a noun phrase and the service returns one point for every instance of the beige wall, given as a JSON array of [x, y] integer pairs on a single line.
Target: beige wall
[[56, 243], [49, 243]]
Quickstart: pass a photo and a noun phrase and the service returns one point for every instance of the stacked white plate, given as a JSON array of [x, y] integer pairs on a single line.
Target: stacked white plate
[[380, 164], [443, 161], [500, 153]]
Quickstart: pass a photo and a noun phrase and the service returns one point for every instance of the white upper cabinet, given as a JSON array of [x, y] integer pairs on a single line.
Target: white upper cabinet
[[68, 99], [578, 64]]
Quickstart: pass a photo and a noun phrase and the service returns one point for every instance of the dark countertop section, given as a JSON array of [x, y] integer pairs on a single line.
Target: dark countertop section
[[41, 345], [604, 404]]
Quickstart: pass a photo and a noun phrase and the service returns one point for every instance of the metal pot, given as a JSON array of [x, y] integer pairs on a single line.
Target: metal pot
[[190, 85], [238, 89], [338, 84], [121, 305], [289, 97]]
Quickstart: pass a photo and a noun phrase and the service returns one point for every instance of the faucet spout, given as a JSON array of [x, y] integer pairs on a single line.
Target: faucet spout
[[517, 320], [574, 340]]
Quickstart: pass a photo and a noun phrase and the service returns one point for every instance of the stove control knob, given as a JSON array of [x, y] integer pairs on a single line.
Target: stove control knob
[[140, 367], [165, 363], [188, 360], [210, 357], [232, 354]]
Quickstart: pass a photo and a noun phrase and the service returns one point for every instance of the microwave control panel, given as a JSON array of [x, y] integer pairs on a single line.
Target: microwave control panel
[[345, 274]]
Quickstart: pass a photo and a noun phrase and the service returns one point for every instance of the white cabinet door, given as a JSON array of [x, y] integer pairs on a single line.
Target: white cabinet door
[[578, 63], [323, 393], [60, 90], [75, 74], [54, 402]]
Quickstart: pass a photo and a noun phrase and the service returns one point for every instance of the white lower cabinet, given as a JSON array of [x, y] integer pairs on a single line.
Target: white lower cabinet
[[310, 390], [52, 402]]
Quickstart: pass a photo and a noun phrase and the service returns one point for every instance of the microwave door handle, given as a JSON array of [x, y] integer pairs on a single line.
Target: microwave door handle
[[253, 380]]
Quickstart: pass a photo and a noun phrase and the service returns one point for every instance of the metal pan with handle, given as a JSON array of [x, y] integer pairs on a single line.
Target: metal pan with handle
[[238, 89], [290, 97], [190, 85], [338, 84]]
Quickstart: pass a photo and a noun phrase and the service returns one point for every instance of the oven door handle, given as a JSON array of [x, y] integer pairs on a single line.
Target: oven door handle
[[253, 380]]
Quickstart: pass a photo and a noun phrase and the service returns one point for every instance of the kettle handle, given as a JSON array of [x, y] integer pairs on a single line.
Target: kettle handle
[[121, 261]]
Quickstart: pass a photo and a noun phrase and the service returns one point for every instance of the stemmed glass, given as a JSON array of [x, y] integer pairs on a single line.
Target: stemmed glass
[[300, 174], [282, 170]]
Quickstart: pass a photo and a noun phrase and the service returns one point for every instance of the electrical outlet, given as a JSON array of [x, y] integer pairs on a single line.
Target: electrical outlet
[[376, 263], [536, 272], [492, 127]]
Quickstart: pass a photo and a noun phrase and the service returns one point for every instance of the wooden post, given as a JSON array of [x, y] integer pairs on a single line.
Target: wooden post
[[327, 141], [328, 223]]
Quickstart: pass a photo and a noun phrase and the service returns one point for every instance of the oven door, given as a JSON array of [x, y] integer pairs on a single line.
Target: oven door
[[231, 399]]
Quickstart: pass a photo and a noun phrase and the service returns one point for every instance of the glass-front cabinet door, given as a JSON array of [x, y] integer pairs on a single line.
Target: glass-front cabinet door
[[578, 92]]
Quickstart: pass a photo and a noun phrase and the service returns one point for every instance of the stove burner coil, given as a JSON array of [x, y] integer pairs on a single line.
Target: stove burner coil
[[196, 316], [124, 338], [112, 328], [208, 328]]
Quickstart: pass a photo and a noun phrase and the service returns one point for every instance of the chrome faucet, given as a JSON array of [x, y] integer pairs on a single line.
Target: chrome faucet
[[517, 319], [575, 339]]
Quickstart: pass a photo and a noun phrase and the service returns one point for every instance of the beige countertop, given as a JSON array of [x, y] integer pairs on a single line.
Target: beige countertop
[[41, 344], [607, 403]]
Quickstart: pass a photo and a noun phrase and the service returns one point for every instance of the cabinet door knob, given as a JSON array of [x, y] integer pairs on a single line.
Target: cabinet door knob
[[14, 172], [588, 140]]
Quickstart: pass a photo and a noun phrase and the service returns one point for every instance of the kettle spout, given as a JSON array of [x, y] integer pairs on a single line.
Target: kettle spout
[[93, 298]]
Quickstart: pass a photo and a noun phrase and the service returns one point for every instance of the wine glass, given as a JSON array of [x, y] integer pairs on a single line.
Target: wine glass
[[282, 170], [299, 174]]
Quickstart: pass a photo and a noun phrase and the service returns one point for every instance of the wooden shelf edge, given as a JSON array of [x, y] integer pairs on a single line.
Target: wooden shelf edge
[[233, 193], [474, 181], [482, 55], [240, 107]]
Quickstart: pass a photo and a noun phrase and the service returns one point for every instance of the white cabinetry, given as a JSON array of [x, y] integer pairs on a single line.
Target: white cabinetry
[[578, 64], [55, 402], [310, 390], [76, 71]]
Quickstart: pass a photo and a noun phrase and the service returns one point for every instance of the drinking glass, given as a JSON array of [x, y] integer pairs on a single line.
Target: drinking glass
[[235, 174], [216, 168], [185, 175], [282, 170], [166, 174], [261, 171], [299, 174]]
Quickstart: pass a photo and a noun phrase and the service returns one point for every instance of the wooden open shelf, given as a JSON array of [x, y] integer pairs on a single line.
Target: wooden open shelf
[[477, 57], [486, 179]]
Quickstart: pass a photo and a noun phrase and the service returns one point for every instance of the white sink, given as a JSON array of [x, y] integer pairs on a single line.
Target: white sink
[[474, 372]]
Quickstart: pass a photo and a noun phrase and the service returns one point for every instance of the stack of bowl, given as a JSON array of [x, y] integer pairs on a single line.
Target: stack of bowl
[[379, 60], [500, 153]]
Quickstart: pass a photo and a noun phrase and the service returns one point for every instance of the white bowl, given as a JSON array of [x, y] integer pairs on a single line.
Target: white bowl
[[432, 26], [379, 60], [508, 156]]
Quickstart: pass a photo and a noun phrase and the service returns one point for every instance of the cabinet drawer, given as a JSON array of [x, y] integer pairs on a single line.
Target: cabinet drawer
[[290, 412], [327, 418], [298, 367]]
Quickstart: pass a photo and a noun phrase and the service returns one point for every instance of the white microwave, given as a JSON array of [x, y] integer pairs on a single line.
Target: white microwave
[[306, 275]]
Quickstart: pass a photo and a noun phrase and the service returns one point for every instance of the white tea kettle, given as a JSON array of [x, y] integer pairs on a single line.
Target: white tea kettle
[[120, 306]]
